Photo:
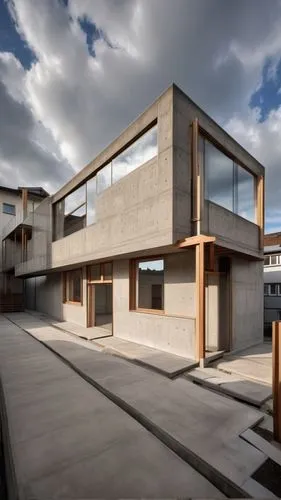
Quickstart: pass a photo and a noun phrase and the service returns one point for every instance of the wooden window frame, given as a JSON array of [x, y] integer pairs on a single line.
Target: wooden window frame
[[66, 281], [101, 280], [133, 278]]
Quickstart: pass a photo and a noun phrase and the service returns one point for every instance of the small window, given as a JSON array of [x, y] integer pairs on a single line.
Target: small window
[[267, 260], [9, 209], [100, 272], [73, 286], [273, 289], [273, 260], [266, 289], [150, 290]]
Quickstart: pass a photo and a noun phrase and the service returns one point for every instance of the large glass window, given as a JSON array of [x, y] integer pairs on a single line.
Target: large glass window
[[141, 151], [246, 199], [226, 183], [73, 286], [104, 178], [91, 200], [219, 177], [75, 211], [78, 209], [150, 292]]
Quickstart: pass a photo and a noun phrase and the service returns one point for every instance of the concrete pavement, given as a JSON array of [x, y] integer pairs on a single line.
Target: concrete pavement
[[201, 426], [65, 440]]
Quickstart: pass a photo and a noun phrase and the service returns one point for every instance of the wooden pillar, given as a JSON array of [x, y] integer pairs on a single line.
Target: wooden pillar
[[200, 302], [276, 382], [22, 244], [24, 202], [260, 210]]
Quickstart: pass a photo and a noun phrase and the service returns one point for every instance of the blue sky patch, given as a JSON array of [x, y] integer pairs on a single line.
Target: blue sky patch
[[11, 41], [268, 97], [92, 33]]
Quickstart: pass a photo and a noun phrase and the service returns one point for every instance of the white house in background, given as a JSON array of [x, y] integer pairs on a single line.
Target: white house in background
[[272, 280]]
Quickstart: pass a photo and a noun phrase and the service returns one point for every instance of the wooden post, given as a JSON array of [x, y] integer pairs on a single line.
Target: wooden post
[[260, 210], [200, 302], [276, 385], [24, 202]]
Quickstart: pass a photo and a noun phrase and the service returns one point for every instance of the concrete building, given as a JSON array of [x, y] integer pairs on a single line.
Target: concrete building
[[272, 280], [159, 240], [15, 206]]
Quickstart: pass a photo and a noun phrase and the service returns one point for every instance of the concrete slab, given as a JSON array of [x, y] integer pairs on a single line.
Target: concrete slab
[[241, 389], [200, 425], [67, 440], [165, 363], [271, 451], [254, 363]]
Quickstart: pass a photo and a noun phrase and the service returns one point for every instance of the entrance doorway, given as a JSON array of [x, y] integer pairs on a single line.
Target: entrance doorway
[[100, 309]]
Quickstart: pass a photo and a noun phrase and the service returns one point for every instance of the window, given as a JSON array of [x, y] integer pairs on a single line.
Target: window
[[150, 284], [78, 209], [73, 286], [279, 315], [266, 260], [219, 177], [273, 260], [266, 289], [100, 272], [141, 151], [9, 209], [273, 289], [246, 199], [91, 200], [226, 183]]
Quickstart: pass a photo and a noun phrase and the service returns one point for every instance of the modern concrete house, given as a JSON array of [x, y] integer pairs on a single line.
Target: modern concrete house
[[159, 240], [272, 280], [15, 205]]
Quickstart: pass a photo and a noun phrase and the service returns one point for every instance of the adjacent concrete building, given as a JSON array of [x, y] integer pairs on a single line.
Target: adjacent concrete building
[[272, 280], [159, 240], [15, 206]]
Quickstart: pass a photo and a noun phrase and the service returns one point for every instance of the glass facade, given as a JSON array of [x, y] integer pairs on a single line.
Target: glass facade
[[141, 151], [78, 209], [226, 183]]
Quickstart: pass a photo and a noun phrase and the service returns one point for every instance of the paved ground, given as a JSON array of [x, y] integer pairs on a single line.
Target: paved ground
[[69, 441], [254, 363], [240, 388], [165, 363], [199, 425]]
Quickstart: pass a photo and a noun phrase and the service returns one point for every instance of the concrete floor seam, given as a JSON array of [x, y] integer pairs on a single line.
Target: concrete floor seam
[[224, 484]]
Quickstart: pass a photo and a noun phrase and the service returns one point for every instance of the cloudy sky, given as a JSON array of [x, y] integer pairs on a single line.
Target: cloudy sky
[[74, 73]]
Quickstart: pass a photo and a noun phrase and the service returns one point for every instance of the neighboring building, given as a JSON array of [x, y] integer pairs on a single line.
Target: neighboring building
[[15, 206], [272, 280], [159, 240]]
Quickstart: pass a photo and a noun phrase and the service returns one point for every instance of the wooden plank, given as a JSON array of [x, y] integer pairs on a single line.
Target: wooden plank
[[194, 171], [24, 202], [260, 210], [200, 302], [132, 285], [195, 240], [211, 257], [276, 382]]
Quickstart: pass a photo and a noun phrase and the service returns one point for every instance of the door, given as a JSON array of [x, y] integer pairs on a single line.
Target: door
[[100, 299]]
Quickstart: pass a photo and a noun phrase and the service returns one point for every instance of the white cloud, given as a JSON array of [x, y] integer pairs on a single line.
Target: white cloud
[[214, 50]]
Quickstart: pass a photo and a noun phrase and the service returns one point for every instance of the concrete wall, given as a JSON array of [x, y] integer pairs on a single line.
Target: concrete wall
[[45, 294], [168, 333], [247, 302], [232, 231]]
